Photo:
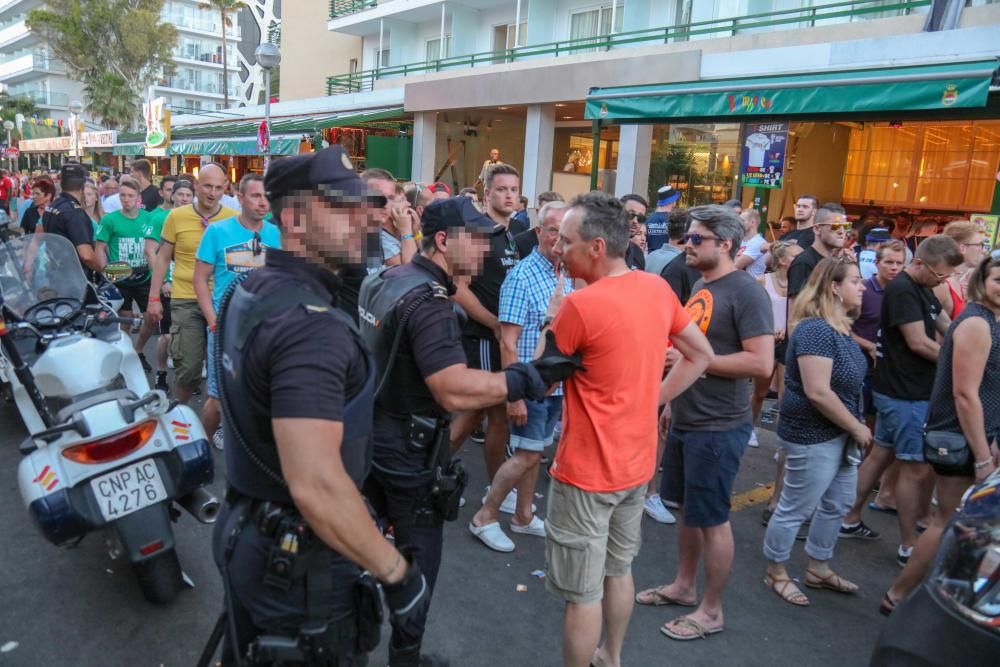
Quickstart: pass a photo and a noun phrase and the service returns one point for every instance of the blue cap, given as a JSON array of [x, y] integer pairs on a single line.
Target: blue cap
[[878, 235], [668, 194], [454, 212], [329, 170]]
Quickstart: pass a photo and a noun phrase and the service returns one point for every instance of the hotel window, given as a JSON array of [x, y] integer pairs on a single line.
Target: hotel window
[[597, 22]]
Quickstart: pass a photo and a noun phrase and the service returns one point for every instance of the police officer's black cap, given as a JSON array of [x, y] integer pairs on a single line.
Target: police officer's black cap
[[454, 212], [71, 170], [328, 172]]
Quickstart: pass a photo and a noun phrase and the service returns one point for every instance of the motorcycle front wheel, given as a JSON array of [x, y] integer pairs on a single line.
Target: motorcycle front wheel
[[159, 577]]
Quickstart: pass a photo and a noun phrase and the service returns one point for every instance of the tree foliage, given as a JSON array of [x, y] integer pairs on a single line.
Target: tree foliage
[[11, 106], [112, 99], [97, 38]]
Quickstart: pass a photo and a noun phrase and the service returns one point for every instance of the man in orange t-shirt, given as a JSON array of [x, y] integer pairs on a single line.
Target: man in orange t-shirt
[[620, 325]]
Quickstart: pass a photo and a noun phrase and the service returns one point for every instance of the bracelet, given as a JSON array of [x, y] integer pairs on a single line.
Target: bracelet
[[153, 299], [979, 465], [403, 237]]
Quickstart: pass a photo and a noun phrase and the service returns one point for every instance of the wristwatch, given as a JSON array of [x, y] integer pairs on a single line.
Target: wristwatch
[[546, 322]]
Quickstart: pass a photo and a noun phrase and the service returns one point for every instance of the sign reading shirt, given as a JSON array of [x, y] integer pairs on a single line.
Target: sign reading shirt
[[763, 163], [233, 250]]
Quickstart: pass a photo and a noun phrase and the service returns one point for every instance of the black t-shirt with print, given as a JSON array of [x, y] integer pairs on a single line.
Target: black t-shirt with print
[[486, 285], [803, 237], [634, 258], [899, 372]]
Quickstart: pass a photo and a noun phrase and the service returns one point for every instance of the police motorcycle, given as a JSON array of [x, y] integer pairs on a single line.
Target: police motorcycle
[[105, 453]]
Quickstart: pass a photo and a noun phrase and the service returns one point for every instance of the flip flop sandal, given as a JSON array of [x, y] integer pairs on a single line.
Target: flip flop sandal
[[782, 591], [699, 630], [831, 582], [873, 506], [654, 598]]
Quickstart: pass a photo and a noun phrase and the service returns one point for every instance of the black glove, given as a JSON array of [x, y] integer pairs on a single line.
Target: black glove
[[524, 382], [408, 600], [553, 365]]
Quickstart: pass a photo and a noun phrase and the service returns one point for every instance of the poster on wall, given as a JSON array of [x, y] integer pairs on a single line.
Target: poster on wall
[[988, 223], [763, 163]]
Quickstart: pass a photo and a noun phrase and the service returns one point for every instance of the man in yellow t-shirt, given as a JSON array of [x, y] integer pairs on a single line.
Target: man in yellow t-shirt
[[182, 232]]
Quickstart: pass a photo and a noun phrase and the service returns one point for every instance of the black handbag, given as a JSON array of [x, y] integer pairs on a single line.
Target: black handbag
[[945, 449]]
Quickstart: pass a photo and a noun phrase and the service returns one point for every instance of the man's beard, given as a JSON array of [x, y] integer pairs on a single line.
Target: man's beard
[[702, 263]]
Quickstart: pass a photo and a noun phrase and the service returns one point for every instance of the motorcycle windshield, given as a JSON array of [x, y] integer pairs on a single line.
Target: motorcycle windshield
[[38, 267]]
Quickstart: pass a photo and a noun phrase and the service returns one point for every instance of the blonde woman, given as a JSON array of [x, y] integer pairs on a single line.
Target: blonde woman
[[820, 423], [92, 203], [971, 240]]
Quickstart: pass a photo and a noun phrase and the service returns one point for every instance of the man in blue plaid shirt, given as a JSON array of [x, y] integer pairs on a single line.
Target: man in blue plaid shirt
[[524, 303]]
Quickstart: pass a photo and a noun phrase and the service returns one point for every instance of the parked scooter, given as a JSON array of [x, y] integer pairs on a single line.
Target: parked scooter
[[105, 453]]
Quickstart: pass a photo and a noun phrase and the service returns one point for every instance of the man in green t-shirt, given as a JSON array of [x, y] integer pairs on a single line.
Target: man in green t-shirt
[[156, 219], [121, 239]]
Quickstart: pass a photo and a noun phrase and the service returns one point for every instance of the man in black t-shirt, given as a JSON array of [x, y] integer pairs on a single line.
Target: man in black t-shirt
[[66, 217], [481, 301], [830, 227], [681, 277], [906, 359], [149, 196], [805, 212]]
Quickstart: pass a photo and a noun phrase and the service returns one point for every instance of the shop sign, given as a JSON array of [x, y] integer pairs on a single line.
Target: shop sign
[[11, 152], [105, 139], [157, 116], [763, 162], [989, 225]]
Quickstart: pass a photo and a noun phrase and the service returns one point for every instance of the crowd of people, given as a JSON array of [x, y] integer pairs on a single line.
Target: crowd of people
[[687, 320]]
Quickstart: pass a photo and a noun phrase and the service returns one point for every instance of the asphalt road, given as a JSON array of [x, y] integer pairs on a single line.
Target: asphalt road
[[78, 607]]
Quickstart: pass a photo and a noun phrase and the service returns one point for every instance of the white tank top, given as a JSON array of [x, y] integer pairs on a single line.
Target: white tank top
[[779, 304]]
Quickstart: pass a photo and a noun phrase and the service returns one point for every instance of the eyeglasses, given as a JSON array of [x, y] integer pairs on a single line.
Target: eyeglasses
[[255, 245], [640, 217], [697, 239], [939, 276], [984, 245]]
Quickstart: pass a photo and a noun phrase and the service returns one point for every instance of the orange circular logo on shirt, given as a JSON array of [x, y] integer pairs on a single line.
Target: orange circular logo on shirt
[[699, 307]]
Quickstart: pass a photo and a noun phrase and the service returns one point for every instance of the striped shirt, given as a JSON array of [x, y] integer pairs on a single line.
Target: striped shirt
[[524, 299]]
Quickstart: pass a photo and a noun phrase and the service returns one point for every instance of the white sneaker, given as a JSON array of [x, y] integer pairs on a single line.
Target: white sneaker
[[753, 442], [655, 510], [536, 527], [170, 362], [509, 504], [218, 440], [492, 535]]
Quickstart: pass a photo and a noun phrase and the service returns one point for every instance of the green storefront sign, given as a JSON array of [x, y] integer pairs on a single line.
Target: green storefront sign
[[925, 88]]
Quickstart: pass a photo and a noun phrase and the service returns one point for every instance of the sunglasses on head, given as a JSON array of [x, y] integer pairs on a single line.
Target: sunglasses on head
[[640, 217], [698, 239]]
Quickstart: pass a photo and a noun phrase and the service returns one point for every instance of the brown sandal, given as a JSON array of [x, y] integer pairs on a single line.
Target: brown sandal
[[831, 582], [795, 597]]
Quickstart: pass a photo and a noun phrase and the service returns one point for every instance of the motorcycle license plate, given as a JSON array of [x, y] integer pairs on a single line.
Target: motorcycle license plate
[[128, 489]]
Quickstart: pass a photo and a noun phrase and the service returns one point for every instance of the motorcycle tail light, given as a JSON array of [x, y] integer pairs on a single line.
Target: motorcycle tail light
[[111, 447]]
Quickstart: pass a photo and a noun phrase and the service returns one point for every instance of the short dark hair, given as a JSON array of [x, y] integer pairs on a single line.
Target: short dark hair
[[468, 191], [543, 198], [167, 179], [142, 166], [72, 182], [815, 201], [500, 169], [976, 291], [721, 221], [636, 198], [603, 217], [939, 248], [523, 200], [678, 222], [247, 180]]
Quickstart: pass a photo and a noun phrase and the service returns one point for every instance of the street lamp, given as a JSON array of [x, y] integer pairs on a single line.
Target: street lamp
[[9, 126], [75, 109], [268, 57]]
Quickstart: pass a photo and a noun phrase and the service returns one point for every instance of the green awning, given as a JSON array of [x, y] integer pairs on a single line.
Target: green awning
[[922, 88], [232, 147], [128, 149]]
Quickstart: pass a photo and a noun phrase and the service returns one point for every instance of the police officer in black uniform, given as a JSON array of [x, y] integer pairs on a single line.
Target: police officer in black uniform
[[406, 317], [297, 391], [66, 217]]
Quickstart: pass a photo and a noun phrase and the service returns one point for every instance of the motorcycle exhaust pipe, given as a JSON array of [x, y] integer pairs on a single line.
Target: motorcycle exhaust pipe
[[201, 504]]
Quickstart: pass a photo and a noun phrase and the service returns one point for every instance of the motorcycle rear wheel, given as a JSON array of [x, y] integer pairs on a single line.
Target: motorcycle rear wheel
[[159, 577]]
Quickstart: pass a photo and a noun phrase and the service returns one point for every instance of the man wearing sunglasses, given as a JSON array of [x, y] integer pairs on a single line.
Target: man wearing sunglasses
[[635, 211], [228, 249], [830, 230]]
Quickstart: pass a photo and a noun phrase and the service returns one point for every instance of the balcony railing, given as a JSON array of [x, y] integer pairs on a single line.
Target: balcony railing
[[721, 27], [45, 98], [339, 8]]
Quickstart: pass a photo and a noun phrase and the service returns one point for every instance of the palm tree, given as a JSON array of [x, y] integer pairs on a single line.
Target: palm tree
[[225, 7], [111, 98]]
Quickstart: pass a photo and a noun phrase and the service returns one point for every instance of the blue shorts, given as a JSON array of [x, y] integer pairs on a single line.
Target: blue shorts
[[699, 469], [539, 432], [867, 402], [899, 426], [213, 385]]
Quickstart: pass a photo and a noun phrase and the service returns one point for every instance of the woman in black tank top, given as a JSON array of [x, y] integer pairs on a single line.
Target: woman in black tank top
[[965, 400]]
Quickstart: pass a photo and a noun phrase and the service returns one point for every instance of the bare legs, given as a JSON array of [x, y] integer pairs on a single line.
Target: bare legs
[[582, 625]]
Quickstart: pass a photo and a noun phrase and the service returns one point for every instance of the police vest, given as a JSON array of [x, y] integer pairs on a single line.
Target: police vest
[[402, 387], [252, 464]]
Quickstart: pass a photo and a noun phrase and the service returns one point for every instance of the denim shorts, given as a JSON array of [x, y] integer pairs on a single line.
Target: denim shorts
[[900, 426], [539, 431], [867, 402], [212, 382], [699, 469]]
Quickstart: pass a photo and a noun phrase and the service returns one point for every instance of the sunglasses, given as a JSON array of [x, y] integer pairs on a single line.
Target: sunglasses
[[837, 226], [697, 239], [255, 245], [640, 217]]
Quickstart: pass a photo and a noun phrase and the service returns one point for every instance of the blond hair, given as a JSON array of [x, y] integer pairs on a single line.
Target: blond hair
[[962, 231], [817, 298]]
